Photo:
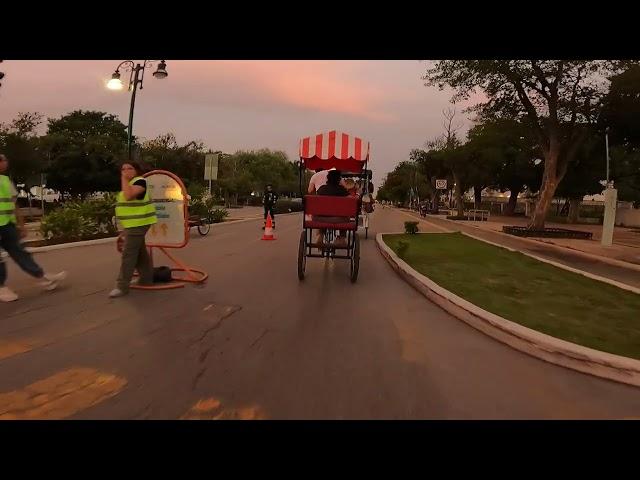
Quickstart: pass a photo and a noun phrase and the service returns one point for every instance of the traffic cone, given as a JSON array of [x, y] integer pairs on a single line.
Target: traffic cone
[[268, 229]]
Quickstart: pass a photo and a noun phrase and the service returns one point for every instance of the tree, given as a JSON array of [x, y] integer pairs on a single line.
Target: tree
[[557, 99], [186, 161], [504, 157], [449, 152], [582, 177], [621, 113], [85, 148], [405, 177], [246, 172]]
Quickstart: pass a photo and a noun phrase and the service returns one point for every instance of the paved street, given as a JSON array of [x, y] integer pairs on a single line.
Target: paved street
[[256, 343]]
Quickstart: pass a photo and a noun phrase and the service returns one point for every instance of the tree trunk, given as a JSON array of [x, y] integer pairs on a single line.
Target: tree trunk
[[542, 206], [574, 210], [458, 194], [550, 182], [477, 196], [513, 202]]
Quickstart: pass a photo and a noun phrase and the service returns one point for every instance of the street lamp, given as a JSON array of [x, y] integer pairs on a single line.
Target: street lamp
[[135, 79]]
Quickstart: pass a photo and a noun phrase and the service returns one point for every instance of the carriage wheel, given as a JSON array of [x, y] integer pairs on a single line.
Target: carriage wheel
[[355, 258], [204, 228], [302, 255]]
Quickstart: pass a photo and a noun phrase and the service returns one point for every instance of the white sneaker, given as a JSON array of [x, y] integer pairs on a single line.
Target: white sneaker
[[52, 280], [7, 295], [116, 292]]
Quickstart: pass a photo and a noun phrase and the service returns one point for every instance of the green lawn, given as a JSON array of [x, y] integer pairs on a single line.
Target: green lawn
[[532, 293]]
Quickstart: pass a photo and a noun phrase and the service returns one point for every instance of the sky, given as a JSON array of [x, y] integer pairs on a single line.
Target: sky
[[244, 105]]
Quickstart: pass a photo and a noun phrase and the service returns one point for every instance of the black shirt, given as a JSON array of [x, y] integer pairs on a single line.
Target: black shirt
[[141, 183], [270, 198], [333, 190]]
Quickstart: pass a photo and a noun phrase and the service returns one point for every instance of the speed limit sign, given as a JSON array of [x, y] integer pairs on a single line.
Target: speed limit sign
[[441, 184]]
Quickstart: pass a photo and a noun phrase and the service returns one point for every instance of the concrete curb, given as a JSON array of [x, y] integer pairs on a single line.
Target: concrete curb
[[539, 345], [63, 246], [560, 248]]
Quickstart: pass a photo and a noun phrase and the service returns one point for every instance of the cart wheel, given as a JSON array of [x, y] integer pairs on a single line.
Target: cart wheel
[[204, 229], [302, 255], [355, 258]]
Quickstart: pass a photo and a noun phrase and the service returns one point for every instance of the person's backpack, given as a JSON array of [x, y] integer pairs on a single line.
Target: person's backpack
[[162, 275]]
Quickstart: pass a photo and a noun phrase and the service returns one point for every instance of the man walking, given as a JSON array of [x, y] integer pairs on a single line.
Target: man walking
[[11, 231]]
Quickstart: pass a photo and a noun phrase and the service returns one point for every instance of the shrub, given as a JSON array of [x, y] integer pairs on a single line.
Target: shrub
[[217, 215], [67, 224], [411, 227], [402, 248], [287, 206], [205, 206], [76, 221]]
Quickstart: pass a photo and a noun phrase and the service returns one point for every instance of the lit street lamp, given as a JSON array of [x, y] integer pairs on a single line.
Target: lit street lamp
[[135, 79]]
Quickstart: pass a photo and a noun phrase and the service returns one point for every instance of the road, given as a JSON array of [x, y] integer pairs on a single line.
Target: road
[[256, 343]]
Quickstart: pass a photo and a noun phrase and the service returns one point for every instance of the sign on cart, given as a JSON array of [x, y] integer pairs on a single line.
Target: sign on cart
[[441, 184], [168, 194]]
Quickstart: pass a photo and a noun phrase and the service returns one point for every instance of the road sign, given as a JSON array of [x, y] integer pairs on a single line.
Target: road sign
[[441, 184], [168, 194], [211, 166]]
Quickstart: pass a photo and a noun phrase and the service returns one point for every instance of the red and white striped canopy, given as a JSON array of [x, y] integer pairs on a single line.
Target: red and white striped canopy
[[334, 149]]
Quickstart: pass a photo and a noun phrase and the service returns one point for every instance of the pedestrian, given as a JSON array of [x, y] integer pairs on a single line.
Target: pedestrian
[[269, 202], [317, 180], [135, 214], [11, 232], [335, 188]]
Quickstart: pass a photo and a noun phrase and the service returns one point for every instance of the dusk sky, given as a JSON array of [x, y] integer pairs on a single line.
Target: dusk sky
[[233, 105]]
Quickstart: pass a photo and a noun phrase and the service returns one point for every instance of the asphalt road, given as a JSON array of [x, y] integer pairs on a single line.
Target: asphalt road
[[254, 342]]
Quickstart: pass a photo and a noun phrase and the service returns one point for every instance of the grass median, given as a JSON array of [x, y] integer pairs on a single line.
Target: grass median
[[534, 294]]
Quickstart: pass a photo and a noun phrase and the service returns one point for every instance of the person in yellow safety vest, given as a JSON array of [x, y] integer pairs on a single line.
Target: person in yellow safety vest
[[11, 232], [135, 214]]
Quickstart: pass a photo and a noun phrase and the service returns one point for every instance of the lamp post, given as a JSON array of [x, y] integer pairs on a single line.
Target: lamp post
[[610, 202], [136, 79]]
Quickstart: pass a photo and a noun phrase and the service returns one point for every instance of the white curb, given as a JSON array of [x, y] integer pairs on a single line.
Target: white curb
[[539, 345]]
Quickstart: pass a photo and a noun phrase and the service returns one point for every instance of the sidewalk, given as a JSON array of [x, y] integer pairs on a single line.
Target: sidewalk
[[625, 248]]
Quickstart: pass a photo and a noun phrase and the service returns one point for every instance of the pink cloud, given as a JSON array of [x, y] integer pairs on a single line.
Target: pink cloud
[[321, 86]]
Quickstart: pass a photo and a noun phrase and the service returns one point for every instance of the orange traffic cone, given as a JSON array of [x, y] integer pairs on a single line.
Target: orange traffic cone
[[268, 229]]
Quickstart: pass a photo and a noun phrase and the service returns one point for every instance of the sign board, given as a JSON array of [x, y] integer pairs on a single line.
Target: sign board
[[211, 166], [169, 196], [441, 184]]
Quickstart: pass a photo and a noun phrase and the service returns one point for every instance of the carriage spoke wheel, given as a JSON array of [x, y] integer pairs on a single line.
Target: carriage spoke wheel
[[355, 258], [302, 255]]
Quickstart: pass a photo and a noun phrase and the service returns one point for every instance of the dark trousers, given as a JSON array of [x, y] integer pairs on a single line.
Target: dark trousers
[[135, 257], [10, 242], [269, 209]]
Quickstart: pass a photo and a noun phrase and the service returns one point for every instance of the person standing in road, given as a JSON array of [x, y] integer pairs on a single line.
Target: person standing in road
[[135, 213], [11, 232], [269, 202]]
